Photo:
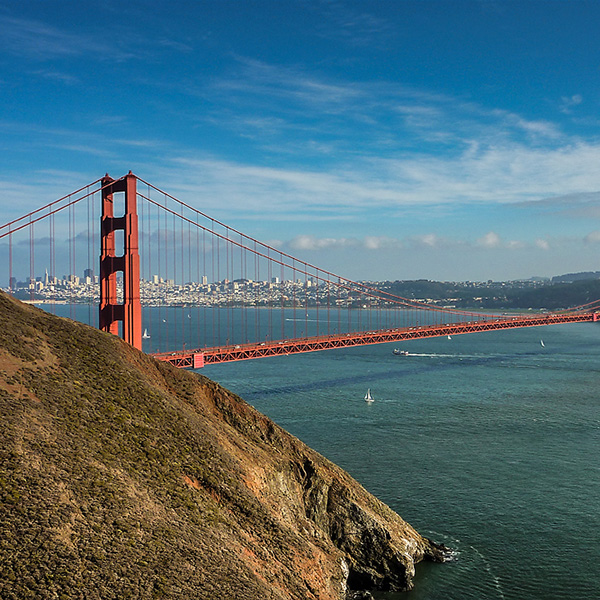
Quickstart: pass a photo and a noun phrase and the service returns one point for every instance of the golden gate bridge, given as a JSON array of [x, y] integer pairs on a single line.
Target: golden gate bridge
[[190, 290]]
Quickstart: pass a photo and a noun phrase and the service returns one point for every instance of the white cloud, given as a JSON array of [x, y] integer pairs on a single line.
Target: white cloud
[[309, 242], [592, 238], [492, 240], [515, 174], [542, 244], [370, 243], [428, 239], [381, 243], [489, 240]]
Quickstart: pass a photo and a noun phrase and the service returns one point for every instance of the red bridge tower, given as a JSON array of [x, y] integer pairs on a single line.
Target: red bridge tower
[[111, 312]]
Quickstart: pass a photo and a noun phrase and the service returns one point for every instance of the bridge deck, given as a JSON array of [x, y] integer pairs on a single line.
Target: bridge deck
[[208, 356]]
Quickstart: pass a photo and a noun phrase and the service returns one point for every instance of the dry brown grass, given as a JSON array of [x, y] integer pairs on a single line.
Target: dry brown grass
[[121, 477]]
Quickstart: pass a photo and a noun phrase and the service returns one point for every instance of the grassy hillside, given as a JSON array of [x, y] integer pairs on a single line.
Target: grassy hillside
[[121, 477]]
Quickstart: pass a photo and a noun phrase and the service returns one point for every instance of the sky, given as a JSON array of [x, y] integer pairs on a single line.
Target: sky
[[408, 139]]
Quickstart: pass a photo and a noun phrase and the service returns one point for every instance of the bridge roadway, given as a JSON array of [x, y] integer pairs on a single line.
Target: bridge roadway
[[195, 359]]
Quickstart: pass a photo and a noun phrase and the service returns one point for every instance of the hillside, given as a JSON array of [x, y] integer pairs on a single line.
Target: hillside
[[121, 477], [562, 292]]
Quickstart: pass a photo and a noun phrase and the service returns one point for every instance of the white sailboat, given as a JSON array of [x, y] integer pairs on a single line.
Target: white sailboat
[[542, 344], [368, 397], [145, 335]]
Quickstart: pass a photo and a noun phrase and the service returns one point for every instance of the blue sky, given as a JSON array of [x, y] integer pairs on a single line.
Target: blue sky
[[447, 140]]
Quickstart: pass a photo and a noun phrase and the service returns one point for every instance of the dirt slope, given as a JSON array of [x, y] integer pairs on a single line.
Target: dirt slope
[[121, 477]]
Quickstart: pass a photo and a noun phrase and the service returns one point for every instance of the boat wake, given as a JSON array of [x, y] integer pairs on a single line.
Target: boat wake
[[304, 320], [436, 355]]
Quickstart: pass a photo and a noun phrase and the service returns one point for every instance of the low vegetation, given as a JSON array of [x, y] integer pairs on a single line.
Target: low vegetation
[[121, 477], [561, 292]]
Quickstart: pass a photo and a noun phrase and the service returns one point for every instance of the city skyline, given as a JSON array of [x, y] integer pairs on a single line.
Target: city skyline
[[441, 140]]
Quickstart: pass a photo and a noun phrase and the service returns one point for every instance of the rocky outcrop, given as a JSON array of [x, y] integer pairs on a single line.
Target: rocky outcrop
[[123, 477]]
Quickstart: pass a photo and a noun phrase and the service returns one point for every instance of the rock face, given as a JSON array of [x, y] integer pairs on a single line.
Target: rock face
[[121, 477]]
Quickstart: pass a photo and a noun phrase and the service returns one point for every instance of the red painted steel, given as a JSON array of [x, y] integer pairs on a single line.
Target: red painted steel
[[243, 250], [130, 311], [189, 359]]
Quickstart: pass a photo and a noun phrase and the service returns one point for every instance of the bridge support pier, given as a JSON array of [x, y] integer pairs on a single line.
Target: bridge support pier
[[129, 313]]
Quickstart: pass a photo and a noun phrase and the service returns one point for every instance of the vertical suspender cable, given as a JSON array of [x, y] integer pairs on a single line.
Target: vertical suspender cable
[[199, 303], [213, 240], [270, 295], [317, 302], [282, 295], [159, 276], [165, 277], [184, 309], [31, 262], [244, 279], [204, 286], [294, 297], [93, 265], [328, 304], [89, 261], [220, 277], [228, 285], [257, 289], [10, 261], [51, 280], [190, 288]]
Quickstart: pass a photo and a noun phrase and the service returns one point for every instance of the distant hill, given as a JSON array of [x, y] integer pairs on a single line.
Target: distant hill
[[121, 477], [565, 291], [571, 277]]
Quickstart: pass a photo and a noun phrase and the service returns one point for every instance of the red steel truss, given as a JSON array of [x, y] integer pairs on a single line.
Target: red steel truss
[[178, 240], [209, 356]]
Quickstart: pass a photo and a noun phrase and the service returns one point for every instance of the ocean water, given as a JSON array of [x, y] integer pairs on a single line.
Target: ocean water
[[487, 442]]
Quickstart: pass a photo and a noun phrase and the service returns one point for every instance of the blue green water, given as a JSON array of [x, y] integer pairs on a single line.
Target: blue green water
[[486, 442]]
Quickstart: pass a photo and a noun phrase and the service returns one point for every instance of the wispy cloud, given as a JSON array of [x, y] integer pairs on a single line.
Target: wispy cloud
[[37, 39], [57, 76], [567, 103], [40, 41], [265, 81], [310, 242], [495, 175], [592, 238], [356, 27], [307, 117], [580, 205]]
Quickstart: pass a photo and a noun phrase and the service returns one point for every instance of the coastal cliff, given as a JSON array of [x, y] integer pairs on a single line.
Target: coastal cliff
[[122, 477]]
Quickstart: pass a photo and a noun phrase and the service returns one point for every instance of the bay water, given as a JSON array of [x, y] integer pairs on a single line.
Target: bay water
[[486, 442]]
